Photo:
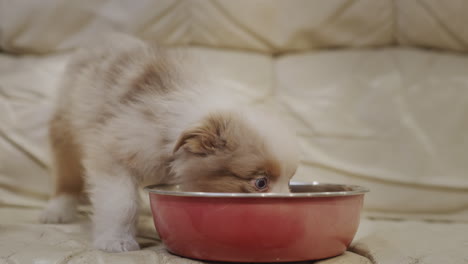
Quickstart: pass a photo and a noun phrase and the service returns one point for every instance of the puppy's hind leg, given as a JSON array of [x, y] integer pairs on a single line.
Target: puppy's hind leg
[[67, 169]]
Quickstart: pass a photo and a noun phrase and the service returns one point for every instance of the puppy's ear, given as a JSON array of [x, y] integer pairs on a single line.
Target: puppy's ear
[[204, 139]]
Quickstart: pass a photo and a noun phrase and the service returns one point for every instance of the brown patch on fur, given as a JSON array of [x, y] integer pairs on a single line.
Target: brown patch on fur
[[157, 76], [207, 137], [67, 165], [149, 115], [115, 71], [104, 117], [272, 169], [130, 160]]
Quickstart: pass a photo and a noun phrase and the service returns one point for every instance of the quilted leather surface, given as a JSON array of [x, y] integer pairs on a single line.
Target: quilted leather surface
[[377, 113]]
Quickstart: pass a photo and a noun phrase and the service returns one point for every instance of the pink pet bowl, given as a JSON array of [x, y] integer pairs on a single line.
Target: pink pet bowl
[[314, 221]]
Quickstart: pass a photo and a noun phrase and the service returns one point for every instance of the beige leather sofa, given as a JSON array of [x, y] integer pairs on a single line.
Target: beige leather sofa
[[377, 89]]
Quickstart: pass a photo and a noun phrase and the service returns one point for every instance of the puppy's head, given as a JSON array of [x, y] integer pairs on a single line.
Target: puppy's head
[[232, 152]]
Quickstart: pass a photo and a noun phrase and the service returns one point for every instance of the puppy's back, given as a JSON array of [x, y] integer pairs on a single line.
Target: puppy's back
[[103, 79]]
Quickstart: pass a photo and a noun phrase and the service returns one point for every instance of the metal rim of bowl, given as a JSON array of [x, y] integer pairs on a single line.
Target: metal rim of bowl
[[355, 190]]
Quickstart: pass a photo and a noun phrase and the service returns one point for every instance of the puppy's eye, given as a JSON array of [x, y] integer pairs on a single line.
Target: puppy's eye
[[261, 183]]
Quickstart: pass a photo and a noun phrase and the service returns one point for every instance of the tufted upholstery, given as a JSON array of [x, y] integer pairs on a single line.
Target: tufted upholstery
[[371, 103]]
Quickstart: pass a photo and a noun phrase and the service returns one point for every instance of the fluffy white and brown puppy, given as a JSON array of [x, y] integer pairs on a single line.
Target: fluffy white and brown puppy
[[130, 114]]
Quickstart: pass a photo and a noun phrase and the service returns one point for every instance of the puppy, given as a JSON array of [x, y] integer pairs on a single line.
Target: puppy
[[130, 114]]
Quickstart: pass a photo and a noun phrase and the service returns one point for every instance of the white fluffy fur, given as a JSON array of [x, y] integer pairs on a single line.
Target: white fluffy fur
[[60, 209], [112, 186]]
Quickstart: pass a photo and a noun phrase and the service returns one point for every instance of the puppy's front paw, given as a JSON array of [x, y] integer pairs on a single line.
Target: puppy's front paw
[[61, 209], [117, 244]]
